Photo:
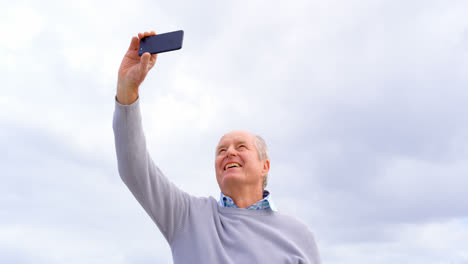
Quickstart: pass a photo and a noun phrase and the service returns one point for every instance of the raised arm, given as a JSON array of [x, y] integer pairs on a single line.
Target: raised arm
[[162, 200]]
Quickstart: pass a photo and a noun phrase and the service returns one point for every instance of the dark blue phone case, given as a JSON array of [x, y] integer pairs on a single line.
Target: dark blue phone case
[[161, 43]]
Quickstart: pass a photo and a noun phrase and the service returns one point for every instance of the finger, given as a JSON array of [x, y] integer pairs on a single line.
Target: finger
[[141, 35], [144, 61], [153, 33], [134, 44], [147, 34], [152, 61]]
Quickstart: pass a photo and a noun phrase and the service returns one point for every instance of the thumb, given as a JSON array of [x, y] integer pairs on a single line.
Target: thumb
[[144, 61]]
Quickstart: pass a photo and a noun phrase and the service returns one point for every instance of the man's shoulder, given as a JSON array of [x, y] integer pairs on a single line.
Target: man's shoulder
[[202, 203], [292, 224]]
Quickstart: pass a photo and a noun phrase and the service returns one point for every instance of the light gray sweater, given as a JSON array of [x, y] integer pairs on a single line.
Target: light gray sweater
[[199, 230]]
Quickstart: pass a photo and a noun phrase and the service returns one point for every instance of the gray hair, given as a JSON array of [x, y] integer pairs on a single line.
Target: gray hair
[[262, 151]]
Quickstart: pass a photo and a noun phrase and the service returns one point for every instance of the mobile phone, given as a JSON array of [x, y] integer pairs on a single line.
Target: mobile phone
[[161, 42]]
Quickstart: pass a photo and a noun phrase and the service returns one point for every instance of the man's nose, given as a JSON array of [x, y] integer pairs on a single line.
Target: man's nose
[[231, 151]]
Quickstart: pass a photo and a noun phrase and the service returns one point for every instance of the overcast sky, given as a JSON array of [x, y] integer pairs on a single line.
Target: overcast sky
[[362, 104]]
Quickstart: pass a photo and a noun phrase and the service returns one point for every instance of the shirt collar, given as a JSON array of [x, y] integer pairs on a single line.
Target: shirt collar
[[265, 203]]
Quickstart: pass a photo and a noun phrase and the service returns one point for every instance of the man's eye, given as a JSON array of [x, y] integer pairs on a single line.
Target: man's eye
[[221, 151]]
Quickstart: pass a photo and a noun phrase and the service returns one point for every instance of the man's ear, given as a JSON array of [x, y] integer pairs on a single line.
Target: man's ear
[[266, 167]]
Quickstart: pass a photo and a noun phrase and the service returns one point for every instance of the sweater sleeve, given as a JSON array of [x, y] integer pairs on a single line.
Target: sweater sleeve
[[164, 202]]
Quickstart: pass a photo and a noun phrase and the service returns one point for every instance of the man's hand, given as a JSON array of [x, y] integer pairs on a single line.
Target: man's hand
[[133, 70]]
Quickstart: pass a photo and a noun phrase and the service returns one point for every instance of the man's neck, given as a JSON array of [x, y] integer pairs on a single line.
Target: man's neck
[[245, 198]]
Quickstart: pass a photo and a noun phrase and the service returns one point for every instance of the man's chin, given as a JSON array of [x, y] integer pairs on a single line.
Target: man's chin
[[232, 178]]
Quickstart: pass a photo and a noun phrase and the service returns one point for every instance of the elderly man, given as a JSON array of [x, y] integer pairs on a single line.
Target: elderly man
[[243, 227]]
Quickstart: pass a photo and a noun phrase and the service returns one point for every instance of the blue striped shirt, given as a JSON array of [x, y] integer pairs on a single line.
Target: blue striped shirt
[[265, 203]]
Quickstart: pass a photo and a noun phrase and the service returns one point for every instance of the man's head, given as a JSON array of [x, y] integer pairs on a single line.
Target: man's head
[[241, 161]]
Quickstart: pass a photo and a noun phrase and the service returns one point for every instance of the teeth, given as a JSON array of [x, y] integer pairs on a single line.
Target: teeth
[[231, 165]]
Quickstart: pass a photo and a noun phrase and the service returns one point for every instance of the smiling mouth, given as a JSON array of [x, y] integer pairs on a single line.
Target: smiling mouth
[[232, 165]]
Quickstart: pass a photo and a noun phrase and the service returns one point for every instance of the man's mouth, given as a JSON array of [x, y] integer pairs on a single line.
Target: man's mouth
[[232, 165]]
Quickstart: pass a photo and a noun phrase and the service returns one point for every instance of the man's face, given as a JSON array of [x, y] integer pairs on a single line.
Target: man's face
[[237, 163]]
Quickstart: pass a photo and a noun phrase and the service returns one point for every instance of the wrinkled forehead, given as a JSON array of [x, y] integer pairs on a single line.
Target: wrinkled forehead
[[236, 137]]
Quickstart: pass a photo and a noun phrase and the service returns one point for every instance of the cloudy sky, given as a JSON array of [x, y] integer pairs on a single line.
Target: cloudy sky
[[362, 103]]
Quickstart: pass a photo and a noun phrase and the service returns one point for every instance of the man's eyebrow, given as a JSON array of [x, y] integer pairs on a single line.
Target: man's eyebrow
[[237, 143], [220, 147]]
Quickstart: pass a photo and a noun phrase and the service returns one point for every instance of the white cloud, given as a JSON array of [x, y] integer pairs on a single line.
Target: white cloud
[[19, 26]]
